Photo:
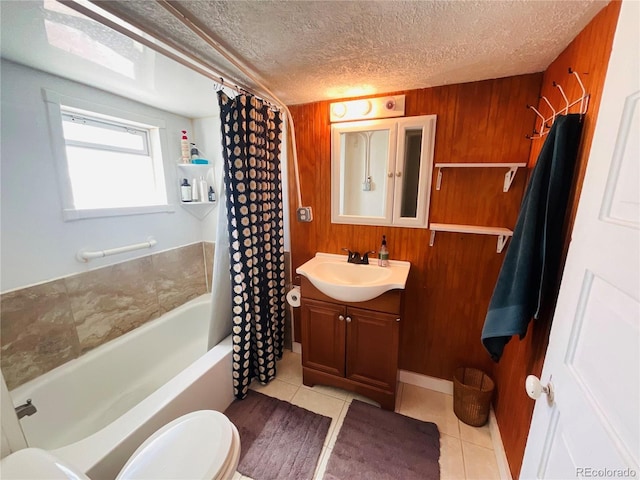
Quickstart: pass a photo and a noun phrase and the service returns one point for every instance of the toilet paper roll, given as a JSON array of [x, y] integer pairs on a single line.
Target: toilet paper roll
[[293, 297]]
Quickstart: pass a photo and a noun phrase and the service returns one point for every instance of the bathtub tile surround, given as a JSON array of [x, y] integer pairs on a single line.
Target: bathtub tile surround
[[209, 252], [95, 411], [179, 275], [37, 331], [46, 325], [113, 300]]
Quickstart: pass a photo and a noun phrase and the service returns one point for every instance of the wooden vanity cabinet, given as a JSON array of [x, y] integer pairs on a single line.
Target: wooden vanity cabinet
[[323, 336], [353, 346]]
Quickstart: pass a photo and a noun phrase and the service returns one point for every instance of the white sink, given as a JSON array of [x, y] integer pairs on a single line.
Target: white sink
[[347, 282]]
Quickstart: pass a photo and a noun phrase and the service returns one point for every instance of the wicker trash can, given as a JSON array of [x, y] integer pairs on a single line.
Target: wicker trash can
[[472, 391]]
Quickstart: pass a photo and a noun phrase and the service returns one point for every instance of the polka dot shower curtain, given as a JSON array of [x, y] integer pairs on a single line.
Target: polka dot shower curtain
[[251, 138]]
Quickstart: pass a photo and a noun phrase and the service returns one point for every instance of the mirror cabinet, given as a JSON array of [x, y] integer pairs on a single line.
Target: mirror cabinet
[[381, 171]]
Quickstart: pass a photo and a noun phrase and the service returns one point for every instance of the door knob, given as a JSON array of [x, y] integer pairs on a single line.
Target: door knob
[[534, 388], [348, 319], [341, 317]]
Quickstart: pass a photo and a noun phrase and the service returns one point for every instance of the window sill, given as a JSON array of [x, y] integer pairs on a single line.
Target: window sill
[[70, 215]]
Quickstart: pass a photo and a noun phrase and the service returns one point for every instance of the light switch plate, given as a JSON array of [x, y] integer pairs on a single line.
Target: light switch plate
[[304, 214]]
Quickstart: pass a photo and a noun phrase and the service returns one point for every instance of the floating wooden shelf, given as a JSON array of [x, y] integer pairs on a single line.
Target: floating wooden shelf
[[502, 233], [512, 168]]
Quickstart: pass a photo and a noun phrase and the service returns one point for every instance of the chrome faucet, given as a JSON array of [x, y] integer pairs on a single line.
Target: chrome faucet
[[26, 409], [355, 258]]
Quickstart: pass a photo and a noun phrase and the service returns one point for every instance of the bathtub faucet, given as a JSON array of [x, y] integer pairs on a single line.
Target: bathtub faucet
[[26, 409]]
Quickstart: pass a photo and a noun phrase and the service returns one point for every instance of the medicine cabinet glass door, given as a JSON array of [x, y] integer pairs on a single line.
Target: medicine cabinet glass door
[[381, 171]]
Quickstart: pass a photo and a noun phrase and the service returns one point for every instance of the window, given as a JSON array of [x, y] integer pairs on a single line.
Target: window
[[108, 164]]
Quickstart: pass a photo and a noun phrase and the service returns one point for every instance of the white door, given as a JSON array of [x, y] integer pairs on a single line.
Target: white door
[[593, 360]]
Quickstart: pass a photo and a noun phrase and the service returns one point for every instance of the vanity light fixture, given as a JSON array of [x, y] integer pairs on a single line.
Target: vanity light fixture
[[367, 109], [338, 110]]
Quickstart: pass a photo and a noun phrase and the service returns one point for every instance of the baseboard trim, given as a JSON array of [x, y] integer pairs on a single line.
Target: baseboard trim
[[498, 447], [296, 347], [446, 386], [425, 381]]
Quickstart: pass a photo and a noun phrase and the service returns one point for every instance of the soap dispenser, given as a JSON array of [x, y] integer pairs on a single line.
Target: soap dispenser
[[383, 253]]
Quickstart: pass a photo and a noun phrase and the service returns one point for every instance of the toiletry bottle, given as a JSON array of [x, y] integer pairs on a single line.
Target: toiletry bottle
[[212, 195], [194, 191], [184, 148], [383, 254], [194, 151], [185, 191], [202, 193]]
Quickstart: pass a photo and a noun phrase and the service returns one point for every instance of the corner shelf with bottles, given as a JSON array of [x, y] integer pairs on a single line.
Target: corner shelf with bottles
[[197, 172]]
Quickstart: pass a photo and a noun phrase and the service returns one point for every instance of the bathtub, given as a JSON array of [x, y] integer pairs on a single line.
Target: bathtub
[[95, 411]]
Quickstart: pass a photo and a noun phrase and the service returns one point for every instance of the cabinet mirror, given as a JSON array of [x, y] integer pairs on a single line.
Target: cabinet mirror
[[381, 171]]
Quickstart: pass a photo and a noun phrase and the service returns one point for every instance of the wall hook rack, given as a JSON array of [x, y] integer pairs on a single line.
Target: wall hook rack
[[545, 123], [584, 99], [553, 110], [535, 134], [566, 100]]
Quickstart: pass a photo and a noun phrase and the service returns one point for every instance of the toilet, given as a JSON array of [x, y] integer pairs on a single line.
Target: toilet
[[199, 445]]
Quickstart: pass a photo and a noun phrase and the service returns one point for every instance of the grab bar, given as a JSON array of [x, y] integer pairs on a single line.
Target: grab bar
[[85, 256]]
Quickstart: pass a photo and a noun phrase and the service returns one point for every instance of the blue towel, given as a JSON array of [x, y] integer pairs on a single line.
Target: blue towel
[[531, 264]]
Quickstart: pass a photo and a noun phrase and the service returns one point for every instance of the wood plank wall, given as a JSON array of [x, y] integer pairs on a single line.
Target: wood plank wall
[[450, 284], [589, 55]]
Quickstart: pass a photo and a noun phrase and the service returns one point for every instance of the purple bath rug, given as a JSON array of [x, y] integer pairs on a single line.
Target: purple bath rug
[[278, 440], [381, 445]]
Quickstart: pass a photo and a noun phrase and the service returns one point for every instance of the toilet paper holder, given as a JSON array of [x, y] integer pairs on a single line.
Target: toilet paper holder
[[293, 296]]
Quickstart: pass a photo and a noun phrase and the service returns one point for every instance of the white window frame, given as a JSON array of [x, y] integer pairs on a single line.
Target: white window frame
[[88, 119], [58, 105]]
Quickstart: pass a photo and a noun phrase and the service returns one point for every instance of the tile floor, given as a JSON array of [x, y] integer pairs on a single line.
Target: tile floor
[[465, 452]]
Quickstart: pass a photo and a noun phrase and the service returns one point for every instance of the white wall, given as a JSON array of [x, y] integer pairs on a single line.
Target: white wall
[[36, 245], [208, 138]]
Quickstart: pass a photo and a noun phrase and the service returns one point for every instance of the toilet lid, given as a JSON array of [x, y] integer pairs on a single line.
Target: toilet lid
[[35, 463], [194, 446]]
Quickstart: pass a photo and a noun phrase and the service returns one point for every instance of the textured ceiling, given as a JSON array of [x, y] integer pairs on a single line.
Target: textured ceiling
[[306, 51]]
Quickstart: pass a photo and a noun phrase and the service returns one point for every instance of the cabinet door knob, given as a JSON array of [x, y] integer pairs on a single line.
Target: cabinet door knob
[[397, 319], [348, 319], [398, 174], [341, 317], [390, 174]]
